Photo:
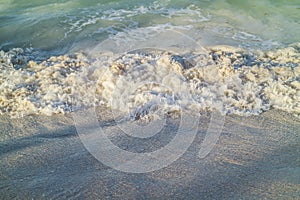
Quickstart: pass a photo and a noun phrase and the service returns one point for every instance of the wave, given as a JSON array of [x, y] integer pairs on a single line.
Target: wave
[[150, 82]]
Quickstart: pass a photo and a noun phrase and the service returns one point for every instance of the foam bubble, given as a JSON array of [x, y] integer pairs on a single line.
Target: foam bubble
[[146, 83]]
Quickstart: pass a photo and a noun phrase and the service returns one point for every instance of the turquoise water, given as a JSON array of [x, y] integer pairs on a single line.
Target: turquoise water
[[65, 25]]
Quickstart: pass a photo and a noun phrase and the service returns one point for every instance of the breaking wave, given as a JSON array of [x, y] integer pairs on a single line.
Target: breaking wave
[[147, 82]]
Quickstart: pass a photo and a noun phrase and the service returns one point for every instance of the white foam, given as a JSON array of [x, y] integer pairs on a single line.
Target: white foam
[[125, 19], [147, 83]]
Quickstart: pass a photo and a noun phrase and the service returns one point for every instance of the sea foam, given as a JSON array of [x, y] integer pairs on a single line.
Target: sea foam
[[149, 82]]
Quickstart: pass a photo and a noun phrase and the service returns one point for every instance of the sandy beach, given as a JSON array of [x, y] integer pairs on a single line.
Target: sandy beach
[[256, 157]]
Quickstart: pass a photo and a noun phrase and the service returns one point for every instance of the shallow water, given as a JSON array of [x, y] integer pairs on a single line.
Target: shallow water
[[64, 25]]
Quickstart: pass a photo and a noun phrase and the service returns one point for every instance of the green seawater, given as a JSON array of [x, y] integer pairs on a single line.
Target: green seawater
[[62, 25]]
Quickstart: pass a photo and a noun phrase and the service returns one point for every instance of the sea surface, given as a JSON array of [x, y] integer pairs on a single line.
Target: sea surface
[[149, 56], [60, 25]]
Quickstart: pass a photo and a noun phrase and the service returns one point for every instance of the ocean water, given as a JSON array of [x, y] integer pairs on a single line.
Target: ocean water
[[149, 57], [65, 24]]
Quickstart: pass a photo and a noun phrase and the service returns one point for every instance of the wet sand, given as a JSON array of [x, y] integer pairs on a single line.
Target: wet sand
[[256, 157]]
